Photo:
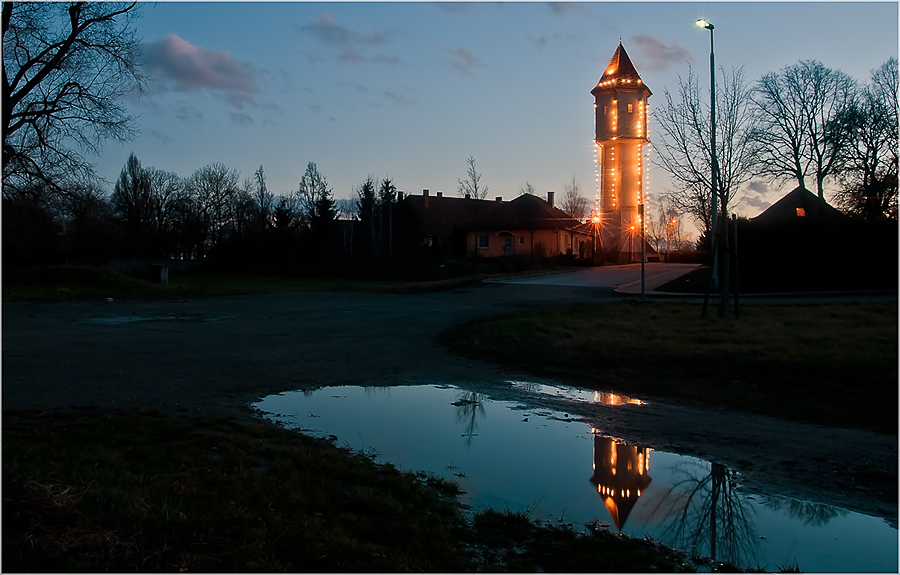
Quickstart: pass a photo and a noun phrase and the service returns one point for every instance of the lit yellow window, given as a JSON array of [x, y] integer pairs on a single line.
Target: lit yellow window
[[630, 108], [801, 213]]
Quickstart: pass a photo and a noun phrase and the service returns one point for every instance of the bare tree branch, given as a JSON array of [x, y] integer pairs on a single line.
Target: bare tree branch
[[66, 68]]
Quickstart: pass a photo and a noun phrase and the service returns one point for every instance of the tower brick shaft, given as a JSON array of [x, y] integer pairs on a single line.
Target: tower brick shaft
[[620, 131]]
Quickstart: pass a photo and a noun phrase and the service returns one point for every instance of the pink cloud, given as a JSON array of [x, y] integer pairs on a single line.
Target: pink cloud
[[176, 64]]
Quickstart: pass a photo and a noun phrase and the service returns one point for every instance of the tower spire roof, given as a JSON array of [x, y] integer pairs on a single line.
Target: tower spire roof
[[621, 72]]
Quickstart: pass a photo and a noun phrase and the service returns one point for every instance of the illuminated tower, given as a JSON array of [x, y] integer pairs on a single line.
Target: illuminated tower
[[620, 131], [621, 475]]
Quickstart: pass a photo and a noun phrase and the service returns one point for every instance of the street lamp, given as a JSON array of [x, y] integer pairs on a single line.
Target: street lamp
[[715, 166]]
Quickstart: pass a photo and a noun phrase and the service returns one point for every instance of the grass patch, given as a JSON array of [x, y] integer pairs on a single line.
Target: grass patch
[[267, 283], [89, 490], [692, 282], [66, 283], [514, 543], [139, 491], [826, 364]]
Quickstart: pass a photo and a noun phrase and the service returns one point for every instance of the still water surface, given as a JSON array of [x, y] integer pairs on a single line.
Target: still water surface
[[563, 471]]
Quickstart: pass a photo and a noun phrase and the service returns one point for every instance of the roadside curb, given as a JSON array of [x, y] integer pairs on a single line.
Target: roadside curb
[[629, 290]]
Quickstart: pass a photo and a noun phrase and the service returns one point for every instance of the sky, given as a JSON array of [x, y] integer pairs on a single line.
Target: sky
[[410, 90]]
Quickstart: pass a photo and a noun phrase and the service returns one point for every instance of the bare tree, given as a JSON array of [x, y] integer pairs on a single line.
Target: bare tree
[[316, 202], [165, 190], [264, 201], [797, 135], [868, 173], [213, 187], [664, 229], [66, 67], [573, 203], [526, 189], [684, 149], [471, 186]]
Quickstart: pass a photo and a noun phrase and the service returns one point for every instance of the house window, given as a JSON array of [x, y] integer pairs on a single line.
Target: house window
[[484, 242], [521, 240], [606, 110], [630, 108], [801, 213]]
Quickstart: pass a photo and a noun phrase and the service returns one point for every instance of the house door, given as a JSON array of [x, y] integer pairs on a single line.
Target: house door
[[508, 245]]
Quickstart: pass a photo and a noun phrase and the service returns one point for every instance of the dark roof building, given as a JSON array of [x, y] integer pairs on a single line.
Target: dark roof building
[[440, 215], [800, 203], [439, 223], [527, 212]]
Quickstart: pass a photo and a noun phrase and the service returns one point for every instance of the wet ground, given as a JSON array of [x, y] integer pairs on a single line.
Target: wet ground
[[561, 468], [221, 354]]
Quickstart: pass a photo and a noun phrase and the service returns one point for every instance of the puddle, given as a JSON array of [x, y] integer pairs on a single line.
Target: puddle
[[575, 394], [563, 471], [132, 318]]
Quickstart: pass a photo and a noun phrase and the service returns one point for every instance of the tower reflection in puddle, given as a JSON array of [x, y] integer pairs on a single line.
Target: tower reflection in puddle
[[615, 399], [621, 474]]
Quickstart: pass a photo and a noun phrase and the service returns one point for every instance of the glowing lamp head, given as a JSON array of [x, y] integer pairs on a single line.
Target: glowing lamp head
[[596, 219], [703, 23]]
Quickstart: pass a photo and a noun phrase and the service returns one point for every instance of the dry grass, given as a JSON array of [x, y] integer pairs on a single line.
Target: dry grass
[[826, 364], [93, 491], [66, 283]]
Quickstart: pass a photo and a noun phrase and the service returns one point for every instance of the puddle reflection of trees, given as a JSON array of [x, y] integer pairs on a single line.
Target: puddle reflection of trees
[[814, 514], [469, 407], [708, 514]]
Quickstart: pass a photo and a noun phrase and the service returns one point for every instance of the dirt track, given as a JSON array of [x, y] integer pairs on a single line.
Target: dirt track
[[218, 355]]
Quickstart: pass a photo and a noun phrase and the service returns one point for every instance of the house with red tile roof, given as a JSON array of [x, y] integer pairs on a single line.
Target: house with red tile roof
[[527, 225]]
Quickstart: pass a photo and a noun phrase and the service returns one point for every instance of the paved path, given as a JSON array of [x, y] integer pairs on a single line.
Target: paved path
[[655, 275]]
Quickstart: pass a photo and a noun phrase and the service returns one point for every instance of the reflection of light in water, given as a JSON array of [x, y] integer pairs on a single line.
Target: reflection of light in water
[[620, 475], [515, 461], [615, 399], [604, 397]]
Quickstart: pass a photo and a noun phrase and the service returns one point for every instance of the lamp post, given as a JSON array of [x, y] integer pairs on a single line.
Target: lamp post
[[712, 140]]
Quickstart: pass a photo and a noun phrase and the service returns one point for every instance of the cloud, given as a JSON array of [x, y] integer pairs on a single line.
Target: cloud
[[326, 30], [351, 56], [399, 99], [656, 56], [187, 113], [564, 8], [758, 188], [241, 119], [177, 65], [464, 61], [755, 195], [543, 40], [353, 46], [159, 136]]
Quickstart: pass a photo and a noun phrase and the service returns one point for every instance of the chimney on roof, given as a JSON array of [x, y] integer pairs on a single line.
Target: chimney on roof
[[440, 194], [468, 196], [550, 195], [425, 196], [399, 195], [499, 198]]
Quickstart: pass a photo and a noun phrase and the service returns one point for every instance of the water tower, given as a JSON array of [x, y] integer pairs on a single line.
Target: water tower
[[620, 131]]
